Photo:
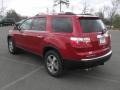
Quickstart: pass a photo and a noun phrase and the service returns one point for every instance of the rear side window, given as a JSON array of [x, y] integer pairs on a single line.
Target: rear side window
[[62, 24], [89, 25]]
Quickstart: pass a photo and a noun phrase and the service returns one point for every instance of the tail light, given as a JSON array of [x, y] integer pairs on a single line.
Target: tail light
[[79, 42], [108, 37], [107, 33]]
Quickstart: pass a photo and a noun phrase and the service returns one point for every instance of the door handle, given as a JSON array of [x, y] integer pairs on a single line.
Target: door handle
[[24, 34], [40, 37]]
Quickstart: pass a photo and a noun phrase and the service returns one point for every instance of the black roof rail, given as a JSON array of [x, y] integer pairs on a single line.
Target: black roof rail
[[71, 13], [67, 13], [86, 14]]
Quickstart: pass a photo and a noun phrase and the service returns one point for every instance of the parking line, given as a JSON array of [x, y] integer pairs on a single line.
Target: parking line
[[5, 58], [20, 79], [100, 78]]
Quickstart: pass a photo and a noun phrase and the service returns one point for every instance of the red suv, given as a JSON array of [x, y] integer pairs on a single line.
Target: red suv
[[80, 39]]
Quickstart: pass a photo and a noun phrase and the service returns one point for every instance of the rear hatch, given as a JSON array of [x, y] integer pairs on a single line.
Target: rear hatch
[[94, 29], [93, 35]]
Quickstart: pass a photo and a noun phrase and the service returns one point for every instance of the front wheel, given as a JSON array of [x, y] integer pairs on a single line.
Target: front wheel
[[11, 47], [53, 63]]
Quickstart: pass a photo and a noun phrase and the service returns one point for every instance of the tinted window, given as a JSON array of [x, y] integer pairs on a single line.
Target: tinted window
[[61, 24], [26, 25], [39, 24], [91, 25]]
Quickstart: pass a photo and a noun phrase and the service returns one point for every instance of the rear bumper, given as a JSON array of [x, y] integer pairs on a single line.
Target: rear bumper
[[91, 62], [100, 57]]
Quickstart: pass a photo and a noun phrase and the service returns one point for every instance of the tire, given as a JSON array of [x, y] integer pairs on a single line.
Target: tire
[[53, 63], [11, 47]]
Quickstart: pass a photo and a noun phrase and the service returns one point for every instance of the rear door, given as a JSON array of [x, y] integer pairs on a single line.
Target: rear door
[[62, 28], [94, 29]]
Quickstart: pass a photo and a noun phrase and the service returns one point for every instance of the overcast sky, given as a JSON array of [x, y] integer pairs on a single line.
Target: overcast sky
[[32, 7]]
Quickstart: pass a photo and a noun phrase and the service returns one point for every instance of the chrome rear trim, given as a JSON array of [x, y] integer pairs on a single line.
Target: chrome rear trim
[[110, 52]]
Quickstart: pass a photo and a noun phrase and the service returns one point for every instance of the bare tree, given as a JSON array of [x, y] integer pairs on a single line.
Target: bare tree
[[85, 7], [12, 14], [91, 11], [2, 11], [102, 12], [61, 2], [113, 9]]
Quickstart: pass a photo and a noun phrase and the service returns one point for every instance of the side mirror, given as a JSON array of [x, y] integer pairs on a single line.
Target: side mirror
[[16, 27]]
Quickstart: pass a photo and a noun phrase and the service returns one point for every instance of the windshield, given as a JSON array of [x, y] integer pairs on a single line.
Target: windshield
[[89, 25]]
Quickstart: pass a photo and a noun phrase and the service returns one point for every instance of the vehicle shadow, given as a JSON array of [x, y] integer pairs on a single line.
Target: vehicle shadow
[[27, 58]]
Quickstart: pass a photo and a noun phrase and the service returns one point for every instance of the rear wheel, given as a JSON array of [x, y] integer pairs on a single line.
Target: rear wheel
[[53, 63], [11, 47]]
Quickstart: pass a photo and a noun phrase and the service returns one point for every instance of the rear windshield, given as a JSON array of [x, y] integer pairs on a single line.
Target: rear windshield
[[89, 25]]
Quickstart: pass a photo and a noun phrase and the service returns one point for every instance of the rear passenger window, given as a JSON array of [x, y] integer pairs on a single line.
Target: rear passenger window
[[62, 24], [39, 24]]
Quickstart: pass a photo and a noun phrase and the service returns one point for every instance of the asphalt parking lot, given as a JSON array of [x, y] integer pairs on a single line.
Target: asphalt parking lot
[[26, 71]]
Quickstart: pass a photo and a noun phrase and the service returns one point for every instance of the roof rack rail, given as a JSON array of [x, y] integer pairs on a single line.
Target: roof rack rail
[[86, 14], [67, 13], [71, 13]]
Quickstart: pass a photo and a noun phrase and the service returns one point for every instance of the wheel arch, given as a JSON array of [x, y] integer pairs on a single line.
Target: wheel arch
[[47, 48]]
